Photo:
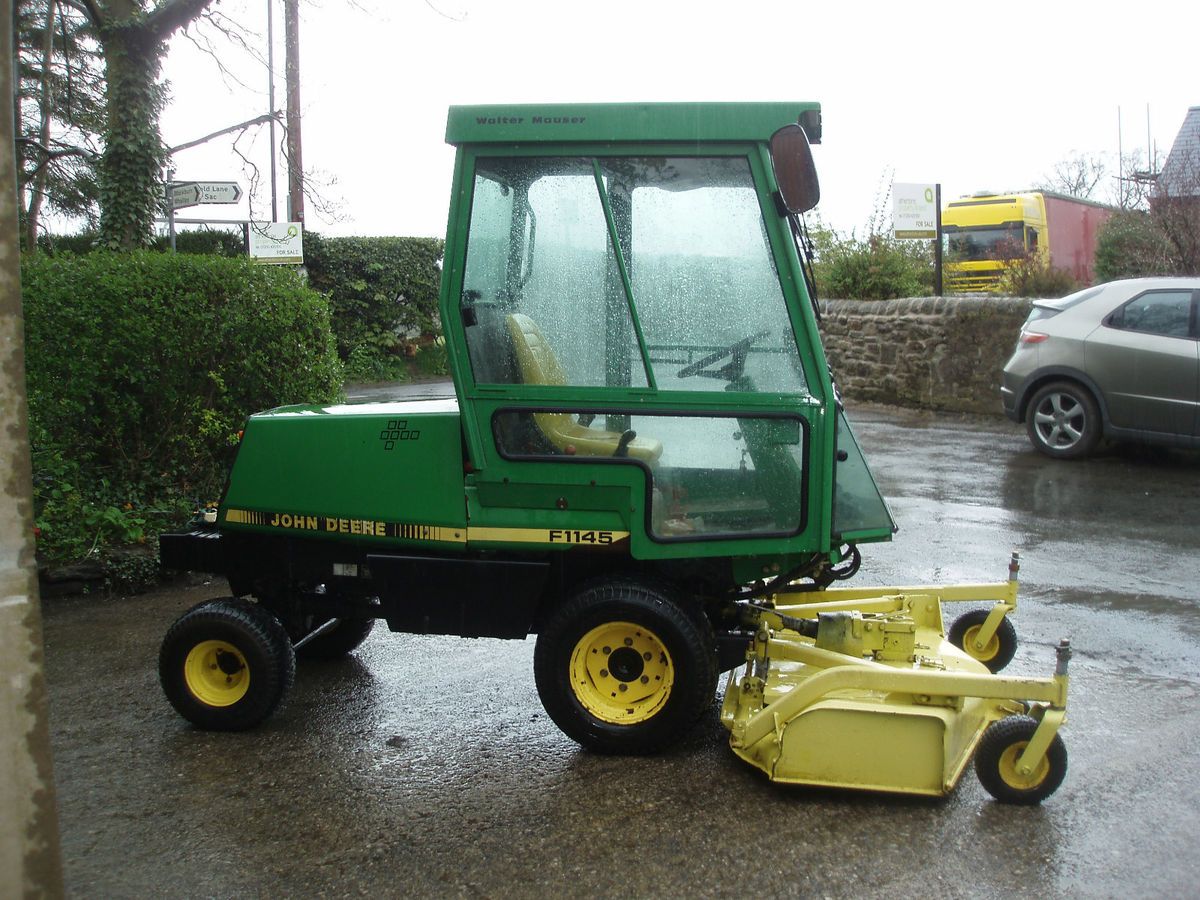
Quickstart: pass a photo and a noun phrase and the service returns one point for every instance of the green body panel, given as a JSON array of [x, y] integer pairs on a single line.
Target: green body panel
[[328, 471]]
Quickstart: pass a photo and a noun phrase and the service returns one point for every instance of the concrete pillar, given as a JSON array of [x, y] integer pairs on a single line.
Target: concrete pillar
[[29, 851]]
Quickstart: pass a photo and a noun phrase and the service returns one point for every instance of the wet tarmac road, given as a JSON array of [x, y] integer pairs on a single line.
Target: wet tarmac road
[[425, 766]]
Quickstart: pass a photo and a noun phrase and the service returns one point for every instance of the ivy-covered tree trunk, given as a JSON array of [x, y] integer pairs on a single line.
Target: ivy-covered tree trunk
[[134, 154], [133, 35]]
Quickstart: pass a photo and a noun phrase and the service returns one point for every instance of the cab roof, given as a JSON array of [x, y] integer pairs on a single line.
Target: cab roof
[[567, 122]]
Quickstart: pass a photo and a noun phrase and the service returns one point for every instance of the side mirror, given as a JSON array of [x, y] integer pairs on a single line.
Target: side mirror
[[791, 158]]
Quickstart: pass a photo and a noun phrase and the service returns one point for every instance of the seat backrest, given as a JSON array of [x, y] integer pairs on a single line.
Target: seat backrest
[[535, 357]]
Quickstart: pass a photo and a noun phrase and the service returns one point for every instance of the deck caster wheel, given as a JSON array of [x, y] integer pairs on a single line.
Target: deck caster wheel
[[996, 653], [621, 667], [344, 637], [225, 665], [996, 763]]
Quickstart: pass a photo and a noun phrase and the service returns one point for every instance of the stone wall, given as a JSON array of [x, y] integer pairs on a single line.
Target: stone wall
[[943, 353]]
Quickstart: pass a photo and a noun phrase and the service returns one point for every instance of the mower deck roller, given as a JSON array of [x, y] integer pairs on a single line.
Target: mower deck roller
[[861, 689]]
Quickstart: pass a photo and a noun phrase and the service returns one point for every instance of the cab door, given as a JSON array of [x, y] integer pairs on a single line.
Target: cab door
[[634, 369]]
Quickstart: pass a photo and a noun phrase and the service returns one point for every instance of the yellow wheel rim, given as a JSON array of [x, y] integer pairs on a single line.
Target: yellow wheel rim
[[216, 673], [621, 673], [990, 649], [1012, 777]]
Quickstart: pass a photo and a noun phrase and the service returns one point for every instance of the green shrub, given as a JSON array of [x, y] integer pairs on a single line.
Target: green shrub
[[1131, 244], [216, 242], [1034, 276], [383, 292], [878, 268], [141, 369]]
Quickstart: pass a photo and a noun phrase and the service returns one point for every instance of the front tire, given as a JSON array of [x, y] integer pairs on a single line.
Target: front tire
[[1063, 421], [996, 763], [226, 665], [621, 667]]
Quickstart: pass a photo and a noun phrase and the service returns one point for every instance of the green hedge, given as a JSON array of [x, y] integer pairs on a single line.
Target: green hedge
[[383, 292], [141, 369], [219, 242]]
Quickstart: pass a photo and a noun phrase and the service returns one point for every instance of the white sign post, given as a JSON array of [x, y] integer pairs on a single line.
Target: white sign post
[[277, 243], [917, 215], [914, 211]]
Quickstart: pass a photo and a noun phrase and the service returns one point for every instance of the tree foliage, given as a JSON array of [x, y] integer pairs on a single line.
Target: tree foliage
[[1032, 275], [1130, 244], [60, 113], [1079, 175], [878, 268]]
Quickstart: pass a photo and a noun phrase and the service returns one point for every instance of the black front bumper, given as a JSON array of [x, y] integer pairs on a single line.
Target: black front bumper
[[198, 550]]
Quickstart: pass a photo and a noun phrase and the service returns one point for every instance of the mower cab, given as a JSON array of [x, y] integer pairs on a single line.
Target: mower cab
[[634, 338]]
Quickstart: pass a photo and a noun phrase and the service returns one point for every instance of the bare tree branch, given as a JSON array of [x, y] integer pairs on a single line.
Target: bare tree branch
[[49, 154], [172, 15], [241, 127], [1076, 176], [92, 10]]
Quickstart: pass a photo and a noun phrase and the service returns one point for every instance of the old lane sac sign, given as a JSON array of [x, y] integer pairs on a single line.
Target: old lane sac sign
[[193, 193]]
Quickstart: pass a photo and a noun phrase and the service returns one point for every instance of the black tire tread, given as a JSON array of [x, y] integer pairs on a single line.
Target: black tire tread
[[1093, 427], [261, 638], [1005, 632], [996, 739], [653, 604]]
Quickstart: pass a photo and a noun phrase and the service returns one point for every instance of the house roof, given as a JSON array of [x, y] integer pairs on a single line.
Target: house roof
[[1180, 176]]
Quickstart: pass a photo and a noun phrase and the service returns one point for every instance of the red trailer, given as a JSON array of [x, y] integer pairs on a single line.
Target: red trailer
[[1071, 227]]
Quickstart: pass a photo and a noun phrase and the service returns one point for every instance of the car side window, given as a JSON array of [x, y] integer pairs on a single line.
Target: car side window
[[1156, 312]]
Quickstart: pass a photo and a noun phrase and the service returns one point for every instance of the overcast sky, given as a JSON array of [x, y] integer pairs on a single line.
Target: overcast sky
[[955, 93]]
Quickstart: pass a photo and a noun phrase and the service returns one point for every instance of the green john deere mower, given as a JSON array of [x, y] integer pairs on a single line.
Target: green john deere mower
[[646, 464]]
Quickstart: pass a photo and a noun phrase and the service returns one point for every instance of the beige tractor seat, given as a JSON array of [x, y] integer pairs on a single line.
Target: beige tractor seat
[[539, 365]]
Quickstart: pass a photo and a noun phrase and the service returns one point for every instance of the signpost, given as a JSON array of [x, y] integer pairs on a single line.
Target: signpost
[[193, 193], [917, 215], [182, 194]]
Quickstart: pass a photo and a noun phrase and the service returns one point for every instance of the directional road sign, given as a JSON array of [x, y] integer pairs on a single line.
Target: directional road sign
[[192, 193]]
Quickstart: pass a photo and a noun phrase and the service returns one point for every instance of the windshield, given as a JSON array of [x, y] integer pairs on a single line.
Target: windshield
[[627, 272], [992, 242]]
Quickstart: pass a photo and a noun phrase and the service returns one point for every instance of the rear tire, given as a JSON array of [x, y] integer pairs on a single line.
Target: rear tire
[[226, 665], [1063, 420], [621, 667]]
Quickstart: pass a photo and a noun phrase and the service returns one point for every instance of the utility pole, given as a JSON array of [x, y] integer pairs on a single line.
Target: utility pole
[[291, 40], [271, 105], [29, 844]]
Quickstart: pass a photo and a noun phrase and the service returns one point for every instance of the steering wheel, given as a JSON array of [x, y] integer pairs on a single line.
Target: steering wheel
[[732, 369]]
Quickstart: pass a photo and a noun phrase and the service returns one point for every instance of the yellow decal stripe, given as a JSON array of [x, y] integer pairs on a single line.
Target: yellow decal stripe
[[409, 531], [338, 525], [584, 536]]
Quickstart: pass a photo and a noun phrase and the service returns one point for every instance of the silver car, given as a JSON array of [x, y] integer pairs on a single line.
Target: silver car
[[1118, 360]]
